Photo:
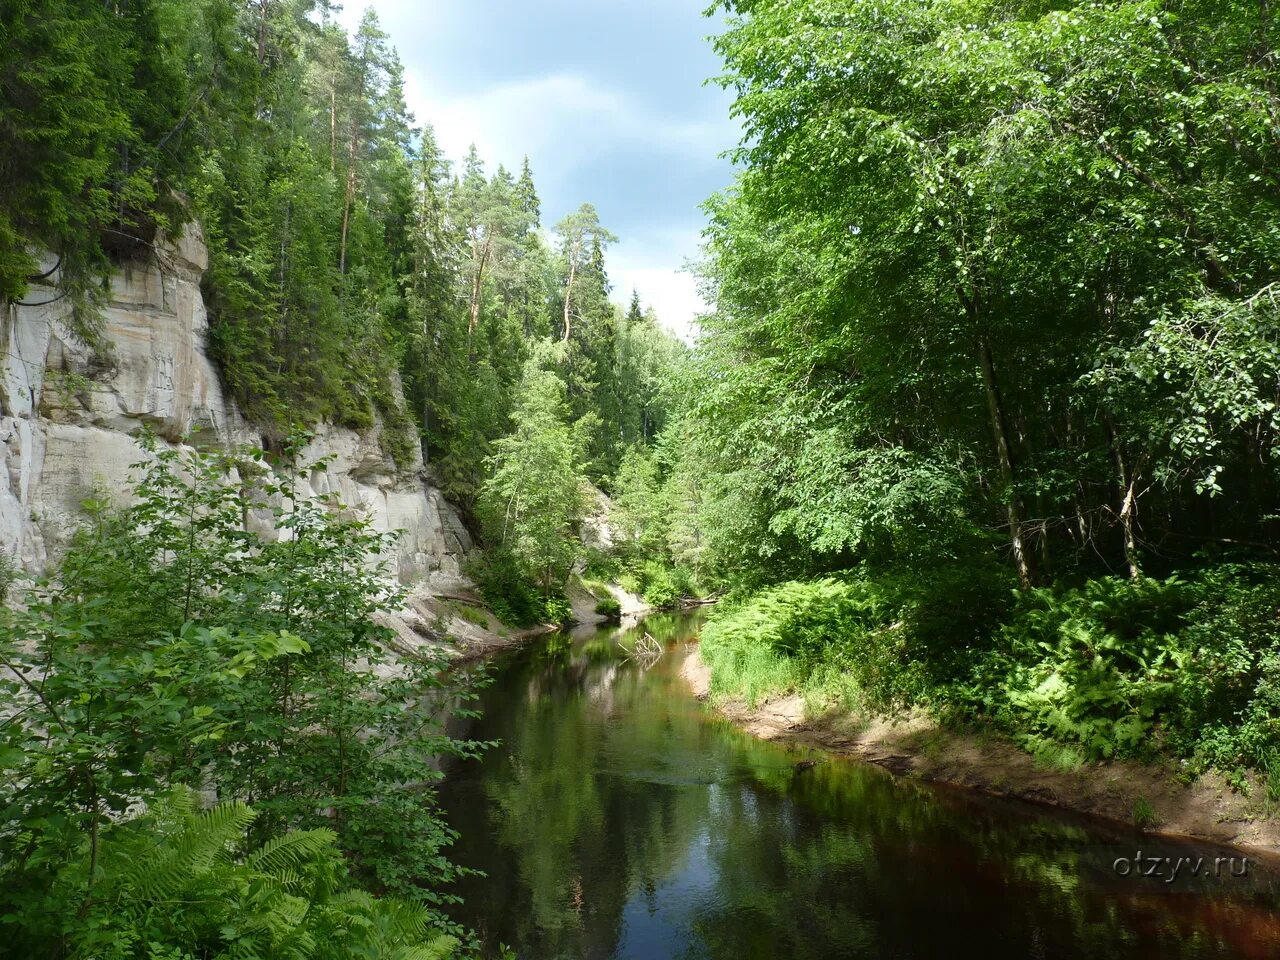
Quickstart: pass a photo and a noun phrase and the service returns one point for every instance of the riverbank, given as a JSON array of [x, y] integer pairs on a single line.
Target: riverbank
[[458, 624], [916, 746]]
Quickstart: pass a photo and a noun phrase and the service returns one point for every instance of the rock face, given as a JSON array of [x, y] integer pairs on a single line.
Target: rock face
[[68, 419], [597, 532]]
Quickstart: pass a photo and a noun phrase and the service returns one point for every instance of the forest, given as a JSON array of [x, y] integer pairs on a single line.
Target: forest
[[981, 422]]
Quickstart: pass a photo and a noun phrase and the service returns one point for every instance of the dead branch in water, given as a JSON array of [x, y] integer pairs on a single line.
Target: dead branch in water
[[646, 652]]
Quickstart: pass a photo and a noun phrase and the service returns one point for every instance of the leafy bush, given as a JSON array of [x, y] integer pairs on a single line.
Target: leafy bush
[[1227, 706], [601, 565], [1094, 666], [172, 883], [737, 645], [660, 588], [1128, 668], [781, 637], [630, 582], [609, 608], [1189, 667], [174, 648], [878, 642], [658, 582], [512, 598], [556, 609], [682, 578], [510, 595]]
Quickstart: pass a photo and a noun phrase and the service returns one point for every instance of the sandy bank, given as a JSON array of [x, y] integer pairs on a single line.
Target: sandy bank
[[916, 746]]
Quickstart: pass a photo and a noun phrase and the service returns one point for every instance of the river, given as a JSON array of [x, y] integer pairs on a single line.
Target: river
[[621, 818]]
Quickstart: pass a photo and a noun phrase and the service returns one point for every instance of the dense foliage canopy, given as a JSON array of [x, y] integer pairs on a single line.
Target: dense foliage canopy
[[355, 276], [995, 307], [984, 419], [994, 268]]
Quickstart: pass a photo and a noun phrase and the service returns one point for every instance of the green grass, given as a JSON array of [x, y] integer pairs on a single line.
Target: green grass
[[1055, 756], [1144, 815], [469, 613], [1184, 668]]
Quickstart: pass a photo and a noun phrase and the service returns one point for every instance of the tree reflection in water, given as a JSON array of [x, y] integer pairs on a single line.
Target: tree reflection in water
[[619, 818]]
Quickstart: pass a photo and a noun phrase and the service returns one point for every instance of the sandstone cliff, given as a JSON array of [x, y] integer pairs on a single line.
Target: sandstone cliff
[[68, 419]]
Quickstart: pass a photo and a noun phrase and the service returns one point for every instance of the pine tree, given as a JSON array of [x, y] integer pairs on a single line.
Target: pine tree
[[635, 314]]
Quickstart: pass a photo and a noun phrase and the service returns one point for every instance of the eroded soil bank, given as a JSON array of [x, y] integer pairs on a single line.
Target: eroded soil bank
[[916, 746]]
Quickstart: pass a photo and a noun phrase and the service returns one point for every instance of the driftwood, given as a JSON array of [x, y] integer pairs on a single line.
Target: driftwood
[[646, 652]]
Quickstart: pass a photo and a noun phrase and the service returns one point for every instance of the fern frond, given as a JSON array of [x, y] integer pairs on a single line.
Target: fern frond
[[203, 841], [292, 851], [441, 948]]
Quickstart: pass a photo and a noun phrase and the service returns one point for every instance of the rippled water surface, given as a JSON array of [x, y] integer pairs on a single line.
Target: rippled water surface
[[619, 818]]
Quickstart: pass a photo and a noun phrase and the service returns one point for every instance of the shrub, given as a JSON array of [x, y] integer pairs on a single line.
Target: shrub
[[682, 578], [1116, 667], [511, 597], [781, 637], [600, 565], [292, 894], [663, 585], [1094, 666], [176, 648], [506, 592], [1188, 667], [1227, 707], [744, 663], [630, 583], [660, 588], [556, 609], [609, 608], [880, 642]]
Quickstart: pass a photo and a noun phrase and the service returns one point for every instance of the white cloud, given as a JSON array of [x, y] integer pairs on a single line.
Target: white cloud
[[564, 111], [673, 293], [564, 115], [574, 128], [509, 120]]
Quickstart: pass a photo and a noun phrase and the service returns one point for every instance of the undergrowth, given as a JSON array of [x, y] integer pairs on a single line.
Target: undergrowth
[[512, 598], [1186, 667]]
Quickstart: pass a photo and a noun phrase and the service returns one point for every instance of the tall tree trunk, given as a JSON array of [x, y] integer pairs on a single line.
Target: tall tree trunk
[[333, 125], [348, 198], [263, 6], [995, 410], [425, 385], [477, 288], [426, 432], [1126, 483], [1128, 512], [568, 300]]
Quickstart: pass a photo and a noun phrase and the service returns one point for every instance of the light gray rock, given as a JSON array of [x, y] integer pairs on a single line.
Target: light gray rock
[[68, 419], [596, 532]]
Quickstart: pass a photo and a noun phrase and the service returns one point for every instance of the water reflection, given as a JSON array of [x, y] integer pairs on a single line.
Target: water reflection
[[619, 819]]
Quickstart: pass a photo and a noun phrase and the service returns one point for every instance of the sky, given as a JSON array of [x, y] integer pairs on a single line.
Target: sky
[[608, 100]]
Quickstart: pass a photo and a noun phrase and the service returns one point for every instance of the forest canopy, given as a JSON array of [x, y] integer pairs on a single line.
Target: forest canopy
[[982, 421]]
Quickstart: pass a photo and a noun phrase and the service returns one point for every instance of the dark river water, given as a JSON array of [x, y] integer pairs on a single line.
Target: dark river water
[[620, 818]]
